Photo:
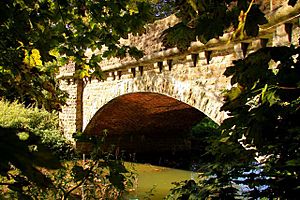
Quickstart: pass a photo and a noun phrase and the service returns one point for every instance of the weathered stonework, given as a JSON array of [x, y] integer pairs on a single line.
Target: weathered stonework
[[194, 77], [182, 83]]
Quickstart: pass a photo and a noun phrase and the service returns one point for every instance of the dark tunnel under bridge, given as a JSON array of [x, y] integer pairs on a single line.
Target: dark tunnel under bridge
[[146, 127]]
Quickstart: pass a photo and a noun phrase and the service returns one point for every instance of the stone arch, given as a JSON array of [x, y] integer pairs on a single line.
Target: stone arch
[[190, 91], [133, 110]]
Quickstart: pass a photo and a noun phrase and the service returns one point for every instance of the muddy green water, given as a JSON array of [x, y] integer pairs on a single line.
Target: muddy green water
[[155, 178]]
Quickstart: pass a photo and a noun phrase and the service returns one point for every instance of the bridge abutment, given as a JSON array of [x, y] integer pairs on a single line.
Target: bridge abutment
[[71, 116]]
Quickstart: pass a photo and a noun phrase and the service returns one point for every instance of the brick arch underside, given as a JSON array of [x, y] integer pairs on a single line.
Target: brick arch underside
[[146, 122], [143, 113], [191, 92]]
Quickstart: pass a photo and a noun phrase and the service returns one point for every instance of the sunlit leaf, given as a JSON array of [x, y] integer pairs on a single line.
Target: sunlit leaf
[[176, 36], [193, 4]]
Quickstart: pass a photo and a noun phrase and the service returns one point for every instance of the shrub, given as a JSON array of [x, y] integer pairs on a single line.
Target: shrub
[[204, 127], [37, 121]]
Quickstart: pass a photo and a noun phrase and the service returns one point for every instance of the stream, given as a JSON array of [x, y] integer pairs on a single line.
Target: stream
[[154, 179]]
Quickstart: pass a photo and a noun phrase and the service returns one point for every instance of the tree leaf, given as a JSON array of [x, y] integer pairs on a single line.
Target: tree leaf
[[224, 139], [78, 172], [193, 5], [177, 36], [292, 2]]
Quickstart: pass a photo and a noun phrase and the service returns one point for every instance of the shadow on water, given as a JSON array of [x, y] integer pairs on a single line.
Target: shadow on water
[[155, 173], [160, 159]]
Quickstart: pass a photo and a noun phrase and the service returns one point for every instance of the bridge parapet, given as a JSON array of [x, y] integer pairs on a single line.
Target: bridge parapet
[[150, 42]]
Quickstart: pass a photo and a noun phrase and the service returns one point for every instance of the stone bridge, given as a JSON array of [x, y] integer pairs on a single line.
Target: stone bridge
[[194, 77]]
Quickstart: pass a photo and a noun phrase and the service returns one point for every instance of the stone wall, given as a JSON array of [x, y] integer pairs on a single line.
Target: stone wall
[[194, 77], [68, 114], [199, 86]]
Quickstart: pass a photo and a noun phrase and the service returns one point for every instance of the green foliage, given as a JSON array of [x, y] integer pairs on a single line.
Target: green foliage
[[176, 35], [39, 36], [37, 121], [264, 118], [257, 154], [20, 160], [188, 189], [204, 127], [29, 137], [207, 19], [101, 176], [29, 170], [292, 2]]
